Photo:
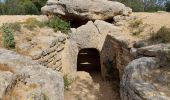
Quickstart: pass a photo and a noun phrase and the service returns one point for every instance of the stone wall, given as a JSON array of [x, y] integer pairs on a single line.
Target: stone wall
[[52, 56], [117, 52]]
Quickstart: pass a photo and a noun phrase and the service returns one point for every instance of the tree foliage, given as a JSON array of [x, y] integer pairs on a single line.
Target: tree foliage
[[21, 7], [141, 6], [168, 6]]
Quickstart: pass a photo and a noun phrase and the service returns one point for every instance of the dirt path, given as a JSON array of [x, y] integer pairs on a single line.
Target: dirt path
[[92, 87]]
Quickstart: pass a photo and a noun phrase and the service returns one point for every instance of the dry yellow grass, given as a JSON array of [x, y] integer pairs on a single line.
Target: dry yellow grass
[[20, 92]]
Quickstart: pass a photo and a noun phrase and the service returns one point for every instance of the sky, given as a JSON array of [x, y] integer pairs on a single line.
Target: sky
[[2, 0]]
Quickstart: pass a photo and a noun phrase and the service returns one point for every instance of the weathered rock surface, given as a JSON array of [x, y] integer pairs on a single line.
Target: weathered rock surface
[[24, 77], [160, 51], [85, 9], [134, 86], [5, 80]]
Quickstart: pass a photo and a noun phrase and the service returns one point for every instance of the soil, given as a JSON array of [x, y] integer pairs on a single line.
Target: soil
[[90, 86]]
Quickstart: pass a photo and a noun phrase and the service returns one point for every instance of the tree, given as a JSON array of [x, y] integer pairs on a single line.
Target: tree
[[136, 5], [142, 5], [39, 3], [21, 7], [30, 8], [168, 6]]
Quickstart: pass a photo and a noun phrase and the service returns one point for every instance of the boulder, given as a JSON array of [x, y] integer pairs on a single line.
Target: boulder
[[5, 80], [23, 78], [134, 85], [85, 9]]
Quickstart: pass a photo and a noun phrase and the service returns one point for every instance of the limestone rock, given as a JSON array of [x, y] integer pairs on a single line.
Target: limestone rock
[[5, 80], [84, 34], [85, 9], [134, 86], [154, 50], [37, 95], [28, 74]]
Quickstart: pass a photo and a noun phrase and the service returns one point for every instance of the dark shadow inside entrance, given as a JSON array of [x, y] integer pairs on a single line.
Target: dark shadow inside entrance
[[89, 60]]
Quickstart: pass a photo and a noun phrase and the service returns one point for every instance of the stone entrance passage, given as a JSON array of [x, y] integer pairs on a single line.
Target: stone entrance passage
[[89, 84], [89, 60]]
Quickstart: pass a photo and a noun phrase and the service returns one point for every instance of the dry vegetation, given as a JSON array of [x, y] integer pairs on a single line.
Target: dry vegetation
[[20, 92], [136, 26], [161, 36]]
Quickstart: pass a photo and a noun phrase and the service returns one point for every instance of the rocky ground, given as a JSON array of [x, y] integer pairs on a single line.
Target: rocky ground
[[90, 86]]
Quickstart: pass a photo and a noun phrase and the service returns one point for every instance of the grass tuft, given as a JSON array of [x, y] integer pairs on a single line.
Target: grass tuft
[[136, 26], [161, 36], [59, 25], [67, 82], [32, 23]]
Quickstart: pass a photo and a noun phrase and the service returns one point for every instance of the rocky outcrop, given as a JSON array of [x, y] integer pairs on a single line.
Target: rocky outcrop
[[22, 79], [85, 10], [134, 85]]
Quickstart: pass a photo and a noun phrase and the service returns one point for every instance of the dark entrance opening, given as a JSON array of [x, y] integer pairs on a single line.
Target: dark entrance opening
[[89, 60], [89, 79]]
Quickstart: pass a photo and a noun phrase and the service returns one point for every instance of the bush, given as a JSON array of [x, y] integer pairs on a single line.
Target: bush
[[59, 25], [138, 31], [21, 7], [30, 8], [136, 26], [32, 23], [136, 5], [140, 6], [168, 6], [161, 36], [8, 37], [135, 23], [15, 26]]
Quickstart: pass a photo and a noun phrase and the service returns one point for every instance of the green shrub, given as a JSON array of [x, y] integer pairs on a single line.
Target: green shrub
[[140, 6], [15, 26], [168, 6], [138, 31], [59, 25], [67, 81], [29, 7], [32, 23], [135, 23], [161, 36], [8, 37], [21, 7], [136, 26]]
